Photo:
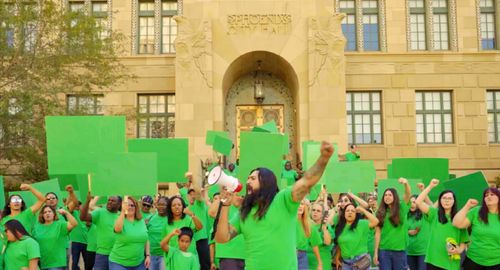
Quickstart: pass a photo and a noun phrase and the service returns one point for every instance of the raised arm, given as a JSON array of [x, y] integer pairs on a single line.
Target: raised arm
[[424, 207], [118, 228], [371, 218], [360, 201], [225, 232], [164, 242], [197, 222], [40, 198], [460, 220], [196, 185], [312, 176], [407, 194], [71, 220], [72, 200], [84, 213], [327, 237], [421, 187]]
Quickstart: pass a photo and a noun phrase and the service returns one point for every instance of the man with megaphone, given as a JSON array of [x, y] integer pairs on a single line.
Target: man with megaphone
[[267, 216]]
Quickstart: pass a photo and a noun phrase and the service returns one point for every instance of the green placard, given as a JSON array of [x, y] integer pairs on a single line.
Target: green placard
[[311, 153], [44, 187], [69, 179], [125, 174], [172, 157], [422, 168], [468, 187], [260, 149], [2, 193], [222, 145], [65, 195], [384, 184], [74, 143], [389, 171], [354, 176], [269, 127], [210, 136]]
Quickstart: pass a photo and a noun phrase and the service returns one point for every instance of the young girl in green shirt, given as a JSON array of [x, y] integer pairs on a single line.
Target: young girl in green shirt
[[418, 232], [22, 251]]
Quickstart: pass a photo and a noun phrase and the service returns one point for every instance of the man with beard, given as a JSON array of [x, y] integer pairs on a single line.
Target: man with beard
[[267, 216], [104, 220]]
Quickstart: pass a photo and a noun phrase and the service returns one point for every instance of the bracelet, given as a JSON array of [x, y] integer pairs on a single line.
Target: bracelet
[[148, 255]]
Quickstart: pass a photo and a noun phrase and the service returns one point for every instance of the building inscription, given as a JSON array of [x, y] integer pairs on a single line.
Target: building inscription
[[255, 23]]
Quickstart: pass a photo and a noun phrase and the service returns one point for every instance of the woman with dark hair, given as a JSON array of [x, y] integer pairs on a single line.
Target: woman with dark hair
[[52, 236], [485, 237], [156, 227], [418, 232], [15, 208], [391, 233], [22, 251], [131, 242], [178, 216], [446, 241], [351, 235]]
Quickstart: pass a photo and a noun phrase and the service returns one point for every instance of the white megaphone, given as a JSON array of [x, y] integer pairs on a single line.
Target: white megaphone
[[217, 176]]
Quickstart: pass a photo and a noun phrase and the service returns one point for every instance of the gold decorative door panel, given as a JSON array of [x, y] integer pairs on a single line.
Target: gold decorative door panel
[[249, 116]]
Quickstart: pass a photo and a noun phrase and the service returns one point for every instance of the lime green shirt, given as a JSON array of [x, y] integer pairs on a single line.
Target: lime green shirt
[[395, 238], [128, 249], [79, 233], [146, 215], [290, 176], [19, 253], [187, 221], [156, 228], [353, 243], [52, 239], [417, 244], [235, 248], [270, 242], [91, 239], [200, 210], [437, 254], [176, 259], [3, 245], [325, 251], [26, 217], [105, 222], [350, 156], [485, 239]]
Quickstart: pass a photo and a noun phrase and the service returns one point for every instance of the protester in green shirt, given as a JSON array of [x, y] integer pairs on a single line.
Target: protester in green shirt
[[146, 208], [306, 239], [156, 227], [351, 235], [289, 175], [51, 232], [15, 208], [485, 225], [22, 251], [319, 217], [266, 215], [178, 216], [418, 233], [352, 155], [104, 220], [391, 233], [446, 242], [179, 258], [131, 243]]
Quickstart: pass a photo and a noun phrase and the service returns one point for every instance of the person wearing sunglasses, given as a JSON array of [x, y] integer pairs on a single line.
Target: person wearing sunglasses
[[16, 208], [131, 239], [147, 207]]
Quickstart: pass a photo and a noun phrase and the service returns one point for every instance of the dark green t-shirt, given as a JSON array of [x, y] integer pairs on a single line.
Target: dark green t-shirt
[[270, 242], [485, 239], [176, 259], [19, 253], [26, 217], [395, 237], [156, 229], [79, 233], [128, 249], [200, 210], [290, 176], [52, 239], [325, 251], [105, 222], [353, 243], [187, 221], [417, 244]]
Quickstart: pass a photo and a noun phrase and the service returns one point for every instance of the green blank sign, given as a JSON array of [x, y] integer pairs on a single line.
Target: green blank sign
[[2, 193], [354, 176], [468, 187], [211, 134], [384, 184], [223, 145], [172, 157]]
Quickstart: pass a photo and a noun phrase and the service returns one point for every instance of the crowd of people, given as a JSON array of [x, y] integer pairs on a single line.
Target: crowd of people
[[267, 228]]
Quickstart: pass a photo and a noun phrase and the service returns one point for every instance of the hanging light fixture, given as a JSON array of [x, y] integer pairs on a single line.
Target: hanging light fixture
[[258, 85]]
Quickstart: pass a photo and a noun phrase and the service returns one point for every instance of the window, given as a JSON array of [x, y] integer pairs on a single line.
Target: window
[[100, 13], [156, 116], [30, 30], [370, 25], [364, 124], [440, 24], [417, 25], [168, 26], [146, 27], [76, 6], [349, 23], [85, 104], [487, 25], [434, 117], [493, 105]]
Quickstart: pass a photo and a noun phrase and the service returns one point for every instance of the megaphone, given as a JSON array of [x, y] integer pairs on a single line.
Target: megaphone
[[217, 176]]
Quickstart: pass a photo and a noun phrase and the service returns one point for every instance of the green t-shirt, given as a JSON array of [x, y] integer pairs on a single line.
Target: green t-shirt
[[52, 239], [485, 239], [350, 156], [290, 176], [176, 259], [156, 228], [437, 254], [3, 245], [184, 192], [303, 242], [19, 253], [187, 221], [417, 244], [235, 248], [92, 239], [391, 238], [26, 217], [325, 251], [105, 222], [128, 249], [146, 215], [270, 242], [353, 243], [79, 233], [200, 210]]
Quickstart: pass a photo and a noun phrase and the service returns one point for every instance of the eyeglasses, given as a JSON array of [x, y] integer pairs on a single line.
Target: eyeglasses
[[16, 200], [131, 205], [51, 198], [146, 205]]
